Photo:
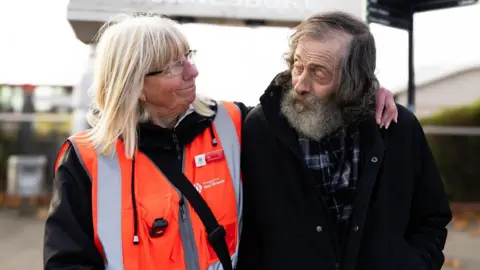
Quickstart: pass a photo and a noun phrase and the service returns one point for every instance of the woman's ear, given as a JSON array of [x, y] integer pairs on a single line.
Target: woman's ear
[[142, 98]]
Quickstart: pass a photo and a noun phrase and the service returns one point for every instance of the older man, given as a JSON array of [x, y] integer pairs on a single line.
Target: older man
[[324, 187]]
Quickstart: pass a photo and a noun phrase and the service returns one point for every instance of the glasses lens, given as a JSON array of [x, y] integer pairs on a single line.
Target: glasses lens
[[191, 56], [177, 68]]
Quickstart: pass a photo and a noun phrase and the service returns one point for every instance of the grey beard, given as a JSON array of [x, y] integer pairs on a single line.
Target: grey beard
[[309, 116]]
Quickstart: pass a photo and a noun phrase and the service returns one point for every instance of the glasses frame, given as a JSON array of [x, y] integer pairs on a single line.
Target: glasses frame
[[180, 63]]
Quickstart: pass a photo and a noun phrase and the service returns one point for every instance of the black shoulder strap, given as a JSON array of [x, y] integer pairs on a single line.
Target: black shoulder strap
[[216, 232]]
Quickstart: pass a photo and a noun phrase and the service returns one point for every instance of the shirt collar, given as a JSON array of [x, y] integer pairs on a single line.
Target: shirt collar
[[190, 110]]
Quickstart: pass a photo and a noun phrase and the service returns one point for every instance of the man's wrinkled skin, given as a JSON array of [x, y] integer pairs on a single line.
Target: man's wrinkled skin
[[313, 105]]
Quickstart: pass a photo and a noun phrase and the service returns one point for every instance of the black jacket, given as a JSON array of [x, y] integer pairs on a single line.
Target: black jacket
[[68, 242], [400, 213]]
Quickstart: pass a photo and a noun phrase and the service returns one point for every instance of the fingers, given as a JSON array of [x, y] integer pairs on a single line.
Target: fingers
[[380, 104], [390, 113]]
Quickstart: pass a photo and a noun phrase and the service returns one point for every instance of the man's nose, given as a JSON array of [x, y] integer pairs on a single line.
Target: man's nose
[[190, 71], [303, 85]]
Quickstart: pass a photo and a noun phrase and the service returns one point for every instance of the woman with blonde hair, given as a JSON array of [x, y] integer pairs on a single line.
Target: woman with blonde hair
[[155, 183]]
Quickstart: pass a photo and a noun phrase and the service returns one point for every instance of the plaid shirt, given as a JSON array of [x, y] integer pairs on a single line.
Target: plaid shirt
[[334, 162]]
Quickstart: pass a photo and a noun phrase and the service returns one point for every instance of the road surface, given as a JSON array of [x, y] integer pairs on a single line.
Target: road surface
[[21, 244]]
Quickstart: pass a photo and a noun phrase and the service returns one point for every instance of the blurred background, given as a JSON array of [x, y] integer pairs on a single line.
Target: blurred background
[[45, 74]]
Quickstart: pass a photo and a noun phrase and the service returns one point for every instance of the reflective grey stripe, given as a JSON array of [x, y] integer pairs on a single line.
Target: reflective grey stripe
[[190, 251], [109, 208], [231, 148]]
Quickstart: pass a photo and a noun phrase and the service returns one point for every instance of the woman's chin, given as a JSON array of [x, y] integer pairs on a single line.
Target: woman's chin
[[186, 101], [190, 98], [189, 95]]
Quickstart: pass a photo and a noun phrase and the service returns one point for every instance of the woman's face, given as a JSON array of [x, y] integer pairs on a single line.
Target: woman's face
[[172, 90]]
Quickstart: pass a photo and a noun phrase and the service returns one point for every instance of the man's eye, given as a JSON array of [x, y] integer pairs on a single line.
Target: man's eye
[[319, 73], [298, 68]]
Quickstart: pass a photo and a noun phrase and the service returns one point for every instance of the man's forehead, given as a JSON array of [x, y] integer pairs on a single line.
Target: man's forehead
[[334, 45]]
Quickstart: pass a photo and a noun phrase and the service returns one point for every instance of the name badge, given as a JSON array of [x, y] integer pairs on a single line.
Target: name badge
[[207, 158]]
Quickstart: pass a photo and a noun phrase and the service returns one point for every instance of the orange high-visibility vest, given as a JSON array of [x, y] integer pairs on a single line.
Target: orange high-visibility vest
[[184, 244]]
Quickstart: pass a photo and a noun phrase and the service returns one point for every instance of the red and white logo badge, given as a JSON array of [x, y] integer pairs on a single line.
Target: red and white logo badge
[[207, 158], [198, 187]]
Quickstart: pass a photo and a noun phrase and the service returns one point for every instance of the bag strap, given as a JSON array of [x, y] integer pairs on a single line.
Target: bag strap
[[216, 232]]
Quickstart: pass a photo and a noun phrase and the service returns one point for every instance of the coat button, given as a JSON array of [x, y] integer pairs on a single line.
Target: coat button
[[374, 159], [356, 228], [319, 228]]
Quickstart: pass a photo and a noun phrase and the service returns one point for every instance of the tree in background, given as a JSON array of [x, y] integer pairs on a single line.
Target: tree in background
[[458, 156]]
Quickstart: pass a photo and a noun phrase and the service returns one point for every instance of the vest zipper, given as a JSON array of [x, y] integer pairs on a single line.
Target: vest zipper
[[177, 145], [186, 229], [190, 251], [182, 211]]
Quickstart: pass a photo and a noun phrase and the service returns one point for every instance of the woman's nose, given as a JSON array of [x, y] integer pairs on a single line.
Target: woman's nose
[[190, 71]]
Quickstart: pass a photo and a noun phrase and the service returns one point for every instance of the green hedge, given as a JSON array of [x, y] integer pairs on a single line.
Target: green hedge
[[458, 157]]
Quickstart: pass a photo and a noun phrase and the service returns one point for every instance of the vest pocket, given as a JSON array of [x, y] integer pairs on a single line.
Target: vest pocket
[[160, 251]]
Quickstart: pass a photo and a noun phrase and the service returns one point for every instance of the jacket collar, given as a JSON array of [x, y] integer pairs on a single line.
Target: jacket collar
[[190, 110], [189, 126], [270, 102]]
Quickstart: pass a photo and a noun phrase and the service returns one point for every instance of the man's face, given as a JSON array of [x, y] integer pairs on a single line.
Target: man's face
[[310, 106], [315, 68]]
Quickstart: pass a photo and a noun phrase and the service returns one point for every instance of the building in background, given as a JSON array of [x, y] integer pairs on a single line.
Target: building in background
[[34, 121], [453, 89]]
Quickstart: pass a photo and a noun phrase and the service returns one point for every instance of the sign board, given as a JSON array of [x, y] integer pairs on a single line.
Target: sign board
[[29, 181], [421, 5], [267, 10], [396, 13], [429, 5], [26, 175], [389, 15]]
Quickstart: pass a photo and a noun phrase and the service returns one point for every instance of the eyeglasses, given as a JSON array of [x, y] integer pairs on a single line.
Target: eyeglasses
[[176, 68]]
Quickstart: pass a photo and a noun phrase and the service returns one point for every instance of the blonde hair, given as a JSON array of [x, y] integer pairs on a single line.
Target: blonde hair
[[129, 47]]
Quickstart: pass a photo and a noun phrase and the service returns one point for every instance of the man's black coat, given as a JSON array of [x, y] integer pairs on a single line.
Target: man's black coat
[[400, 213]]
